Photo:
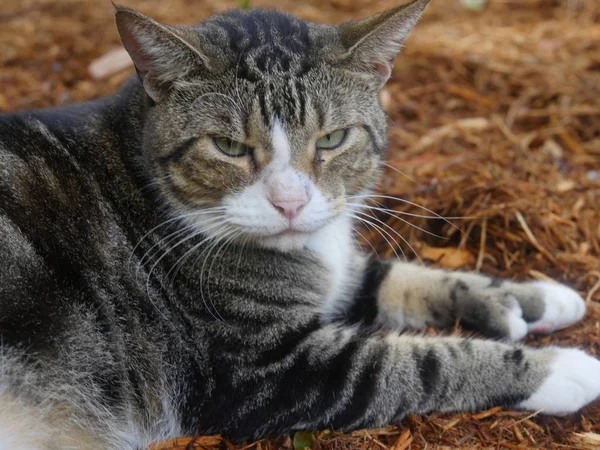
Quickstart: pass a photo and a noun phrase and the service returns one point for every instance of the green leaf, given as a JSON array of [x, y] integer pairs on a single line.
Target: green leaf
[[243, 4], [302, 440], [474, 5]]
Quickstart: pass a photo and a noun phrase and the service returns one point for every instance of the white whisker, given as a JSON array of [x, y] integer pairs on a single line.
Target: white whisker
[[231, 237], [399, 171], [208, 251], [383, 234], [171, 220], [366, 240], [169, 250], [387, 211], [395, 232], [160, 244], [373, 196], [405, 213]]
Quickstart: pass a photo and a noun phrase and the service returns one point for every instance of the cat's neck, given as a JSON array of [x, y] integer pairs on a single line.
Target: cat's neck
[[125, 115], [334, 246]]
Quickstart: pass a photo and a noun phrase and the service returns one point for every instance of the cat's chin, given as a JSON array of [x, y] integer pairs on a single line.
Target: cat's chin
[[285, 242]]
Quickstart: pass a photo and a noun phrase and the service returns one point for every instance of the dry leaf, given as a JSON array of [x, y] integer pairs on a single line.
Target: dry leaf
[[449, 257]]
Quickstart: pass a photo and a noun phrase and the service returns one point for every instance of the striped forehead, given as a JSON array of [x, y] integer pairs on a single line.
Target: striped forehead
[[263, 42], [282, 99]]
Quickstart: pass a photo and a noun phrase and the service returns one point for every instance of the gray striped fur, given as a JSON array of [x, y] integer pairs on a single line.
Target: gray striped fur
[[114, 337]]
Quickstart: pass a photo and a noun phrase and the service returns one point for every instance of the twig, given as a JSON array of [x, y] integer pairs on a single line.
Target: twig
[[482, 240], [595, 287], [534, 241]]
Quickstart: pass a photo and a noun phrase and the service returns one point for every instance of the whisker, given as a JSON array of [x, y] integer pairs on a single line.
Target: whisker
[[365, 240], [406, 213], [243, 243], [223, 247], [202, 278], [381, 231], [173, 219], [220, 222], [396, 233], [182, 241], [181, 262], [372, 196], [182, 259], [156, 181], [147, 256], [361, 235], [399, 171], [166, 240], [384, 211]]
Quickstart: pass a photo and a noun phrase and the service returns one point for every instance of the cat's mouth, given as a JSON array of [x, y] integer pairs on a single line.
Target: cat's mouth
[[289, 232], [287, 239], [300, 229]]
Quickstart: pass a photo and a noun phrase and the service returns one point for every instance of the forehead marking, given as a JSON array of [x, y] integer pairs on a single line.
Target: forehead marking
[[271, 42], [281, 145]]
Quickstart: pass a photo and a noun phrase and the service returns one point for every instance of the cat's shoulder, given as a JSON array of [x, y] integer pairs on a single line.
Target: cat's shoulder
[[24, 132]]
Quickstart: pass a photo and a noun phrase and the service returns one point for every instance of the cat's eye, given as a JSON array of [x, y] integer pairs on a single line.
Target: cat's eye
[[230, 147], [332, 140]]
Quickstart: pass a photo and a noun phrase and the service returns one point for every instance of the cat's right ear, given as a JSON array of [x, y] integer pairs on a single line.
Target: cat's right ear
[[161, 53]]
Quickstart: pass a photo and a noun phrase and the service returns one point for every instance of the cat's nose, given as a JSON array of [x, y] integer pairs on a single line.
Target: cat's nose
[[289, 208]]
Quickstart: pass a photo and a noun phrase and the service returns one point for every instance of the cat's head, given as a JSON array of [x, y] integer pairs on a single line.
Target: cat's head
[[263, 125]]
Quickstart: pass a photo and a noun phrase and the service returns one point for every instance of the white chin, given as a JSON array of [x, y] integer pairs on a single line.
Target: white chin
[[284, 242]]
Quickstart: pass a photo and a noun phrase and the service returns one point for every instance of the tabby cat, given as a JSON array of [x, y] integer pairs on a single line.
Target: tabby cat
[[179, 258]]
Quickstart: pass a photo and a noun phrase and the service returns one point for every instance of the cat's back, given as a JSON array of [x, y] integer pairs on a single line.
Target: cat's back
[[54, 220], [36, 153], [46, 192]]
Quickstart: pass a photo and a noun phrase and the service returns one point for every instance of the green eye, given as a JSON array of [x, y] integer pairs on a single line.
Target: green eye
[[231, 148], [332, 140]]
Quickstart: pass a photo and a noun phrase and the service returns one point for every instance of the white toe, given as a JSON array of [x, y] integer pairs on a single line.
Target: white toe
[[562, 307], [517, 326], [573, 382]]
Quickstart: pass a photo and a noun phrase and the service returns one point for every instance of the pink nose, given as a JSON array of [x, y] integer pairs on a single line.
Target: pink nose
[[289, 208]]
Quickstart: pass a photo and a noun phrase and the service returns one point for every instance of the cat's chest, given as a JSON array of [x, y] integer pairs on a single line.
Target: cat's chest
[[333, 246]]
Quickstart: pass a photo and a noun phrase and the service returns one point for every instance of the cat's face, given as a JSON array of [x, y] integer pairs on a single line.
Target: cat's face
[[263, 125], [278, 156]]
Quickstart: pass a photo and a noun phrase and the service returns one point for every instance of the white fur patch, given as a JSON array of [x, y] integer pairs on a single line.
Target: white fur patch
[[516, 324], [573, 382], [563, 307], [253, 213], [333, 246], [281, 146], [22, 429]]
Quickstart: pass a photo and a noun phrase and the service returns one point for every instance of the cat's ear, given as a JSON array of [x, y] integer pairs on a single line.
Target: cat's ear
[[373, 43], [161, 53]]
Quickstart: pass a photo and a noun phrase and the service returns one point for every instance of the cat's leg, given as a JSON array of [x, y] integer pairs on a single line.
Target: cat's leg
[[401, 295], [345, 380]]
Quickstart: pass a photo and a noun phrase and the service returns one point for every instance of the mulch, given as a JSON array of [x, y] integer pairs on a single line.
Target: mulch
[[495, 125]]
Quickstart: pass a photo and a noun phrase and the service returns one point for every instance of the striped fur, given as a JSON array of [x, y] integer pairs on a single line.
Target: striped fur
[[147, 289]]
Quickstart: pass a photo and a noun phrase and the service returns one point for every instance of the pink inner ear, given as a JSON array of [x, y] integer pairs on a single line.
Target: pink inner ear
[[382, 69], [136, 52]]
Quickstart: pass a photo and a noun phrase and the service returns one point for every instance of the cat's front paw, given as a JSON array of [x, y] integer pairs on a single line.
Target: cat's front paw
[[573, 382], [562, 307]]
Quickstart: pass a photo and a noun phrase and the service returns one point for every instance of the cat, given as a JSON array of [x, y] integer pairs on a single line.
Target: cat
[[178, 258]]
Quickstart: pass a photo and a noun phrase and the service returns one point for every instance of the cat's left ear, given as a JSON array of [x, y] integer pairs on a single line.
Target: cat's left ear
[[374, 42]]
